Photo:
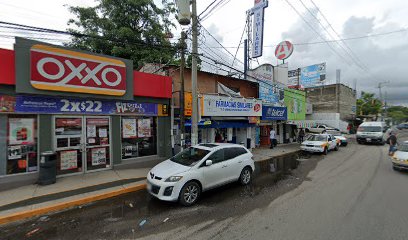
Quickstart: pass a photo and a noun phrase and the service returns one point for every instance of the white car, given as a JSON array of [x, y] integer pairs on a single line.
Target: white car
[[342, 139], [400, 157], [200, 168], [321, 143]]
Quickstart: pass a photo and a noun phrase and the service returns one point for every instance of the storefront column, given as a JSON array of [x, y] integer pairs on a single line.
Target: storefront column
[[229, 134], [116, 141], [45, 133], [211, 135], [3, 144], [281, 133], [248, 143], [163, 137]]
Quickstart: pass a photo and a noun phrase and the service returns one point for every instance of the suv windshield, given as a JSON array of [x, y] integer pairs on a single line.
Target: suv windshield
[[190, 156], [403, 148], [370, 129], [316, 138]]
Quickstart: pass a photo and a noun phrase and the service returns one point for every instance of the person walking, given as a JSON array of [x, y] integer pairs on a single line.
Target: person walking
[[272, 137], [392, 140], [301, 135]]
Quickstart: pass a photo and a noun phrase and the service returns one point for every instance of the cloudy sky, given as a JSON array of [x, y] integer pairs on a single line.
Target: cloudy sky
[[366, 60]]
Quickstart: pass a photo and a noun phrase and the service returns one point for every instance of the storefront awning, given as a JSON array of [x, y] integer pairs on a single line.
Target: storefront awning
[[221, 124]]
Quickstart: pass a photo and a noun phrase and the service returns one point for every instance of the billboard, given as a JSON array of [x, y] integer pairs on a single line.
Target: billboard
[[214, 105], [310, 76], [258, 26], [313, 75], [295, 101], [274, 113], [271, 92]]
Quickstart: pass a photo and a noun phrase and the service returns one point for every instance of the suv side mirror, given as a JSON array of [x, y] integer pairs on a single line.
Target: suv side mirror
[[208, 163]]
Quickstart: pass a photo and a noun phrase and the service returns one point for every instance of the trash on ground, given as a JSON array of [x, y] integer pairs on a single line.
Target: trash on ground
[[165, 220], [44, 219], [130, 205], [30, 233], [142, 222]]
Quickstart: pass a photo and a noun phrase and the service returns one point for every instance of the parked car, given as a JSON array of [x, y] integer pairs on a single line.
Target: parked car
[[402, 126], [400, 157], [200, 168], [321, 143], [341, 138], [371, 132], [321, 129]]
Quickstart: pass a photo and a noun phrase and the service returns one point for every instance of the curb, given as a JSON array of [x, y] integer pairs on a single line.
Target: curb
[[68, 204]]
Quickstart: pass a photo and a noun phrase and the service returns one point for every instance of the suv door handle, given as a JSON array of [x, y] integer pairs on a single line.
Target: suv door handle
[[240, 161], [224, 166]]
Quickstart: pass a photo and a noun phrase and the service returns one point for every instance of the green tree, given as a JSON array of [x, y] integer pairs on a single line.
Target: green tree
[[131, 29], [367, 104], [398, 113]]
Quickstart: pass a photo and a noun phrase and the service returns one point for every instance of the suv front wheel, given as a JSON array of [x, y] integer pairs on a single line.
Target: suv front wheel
[[190, 193], [246, 176]]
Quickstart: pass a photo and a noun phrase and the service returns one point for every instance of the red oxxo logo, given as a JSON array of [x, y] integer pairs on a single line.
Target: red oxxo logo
[[57, 69]]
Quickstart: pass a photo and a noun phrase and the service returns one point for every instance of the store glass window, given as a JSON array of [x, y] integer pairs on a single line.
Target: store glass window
[[139, 137], [21, 144]]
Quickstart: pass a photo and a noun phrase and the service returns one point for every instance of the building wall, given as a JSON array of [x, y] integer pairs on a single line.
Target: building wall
[[207, 83], [324, 100]]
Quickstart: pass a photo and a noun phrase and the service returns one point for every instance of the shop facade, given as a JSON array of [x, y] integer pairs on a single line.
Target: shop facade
[[272, 118], [229, 119], [92, 110], [295, 101]]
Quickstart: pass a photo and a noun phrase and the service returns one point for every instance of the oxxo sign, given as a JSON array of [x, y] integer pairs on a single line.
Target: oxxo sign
[[57, 69]]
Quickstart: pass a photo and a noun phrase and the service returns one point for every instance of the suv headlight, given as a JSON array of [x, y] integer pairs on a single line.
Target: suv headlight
[[174, 179]]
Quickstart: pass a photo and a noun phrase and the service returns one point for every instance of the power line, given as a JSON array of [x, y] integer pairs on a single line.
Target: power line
[[357, 62], [218, 42], [206, 8], [314, 30], [331, 27], [214, 10], [23, 27], [240, 41]]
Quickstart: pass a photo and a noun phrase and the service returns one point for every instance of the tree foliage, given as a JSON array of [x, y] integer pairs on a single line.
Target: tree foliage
[[398, 113], [131, 29], [367, 104]]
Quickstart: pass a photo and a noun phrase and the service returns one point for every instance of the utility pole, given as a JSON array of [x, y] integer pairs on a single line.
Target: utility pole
[[182, 64], [380, 86], [298, 78], [194, 114]]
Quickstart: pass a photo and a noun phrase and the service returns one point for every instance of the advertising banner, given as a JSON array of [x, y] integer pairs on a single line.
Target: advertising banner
[[229, 106], [7, 103], [144, 127], [274, 113], [129, 129], [295, 102], [39, 104], [258, 26], [312, 76], [69, 159], [188, 103], [271, 93], [98, 156], [21, 131], [293, 78]]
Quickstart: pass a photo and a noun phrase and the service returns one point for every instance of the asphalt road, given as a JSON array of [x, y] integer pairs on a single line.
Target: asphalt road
[[349, 194]]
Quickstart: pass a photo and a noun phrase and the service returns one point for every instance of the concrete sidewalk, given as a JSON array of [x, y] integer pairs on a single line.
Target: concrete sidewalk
[[32, 200]]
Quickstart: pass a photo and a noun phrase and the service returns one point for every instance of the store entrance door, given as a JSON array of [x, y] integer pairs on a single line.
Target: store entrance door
[[82, 144]]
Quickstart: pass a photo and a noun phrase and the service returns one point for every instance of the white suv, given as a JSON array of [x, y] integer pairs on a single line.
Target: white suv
[[199, 168]]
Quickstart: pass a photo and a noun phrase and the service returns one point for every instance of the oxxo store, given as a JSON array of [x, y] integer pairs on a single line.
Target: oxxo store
[[229, 119], [94, 111]]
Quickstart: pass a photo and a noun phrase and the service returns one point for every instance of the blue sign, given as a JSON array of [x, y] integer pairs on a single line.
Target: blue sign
[[312, 76], [270, 92], [274, 113], [41, 104]]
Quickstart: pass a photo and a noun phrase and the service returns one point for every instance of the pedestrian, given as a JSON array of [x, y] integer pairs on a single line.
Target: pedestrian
[[301, 135], [392, 141], [272, 137]]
